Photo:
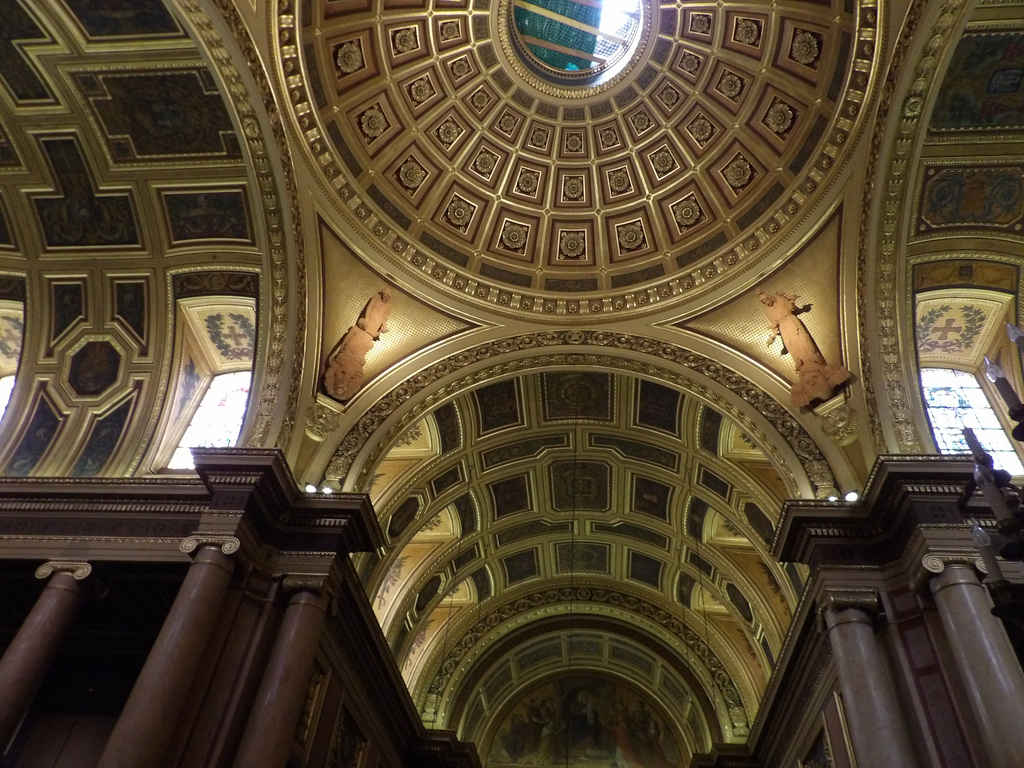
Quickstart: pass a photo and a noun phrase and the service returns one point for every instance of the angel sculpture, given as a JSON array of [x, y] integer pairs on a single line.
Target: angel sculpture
[[816, 378]]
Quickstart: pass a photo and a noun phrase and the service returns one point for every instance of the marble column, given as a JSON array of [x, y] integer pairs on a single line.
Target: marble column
[[28, 657], [268, 735], [150, 716], [992, 676], [877, 728]]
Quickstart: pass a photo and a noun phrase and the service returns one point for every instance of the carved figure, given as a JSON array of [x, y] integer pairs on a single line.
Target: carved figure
[[816, 377], [374, 319], [344, 374]]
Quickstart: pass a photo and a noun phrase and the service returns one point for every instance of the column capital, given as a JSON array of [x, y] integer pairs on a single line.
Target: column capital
[[863, 599], [934, 563], [226, 544], [78, 569], [304, 582]]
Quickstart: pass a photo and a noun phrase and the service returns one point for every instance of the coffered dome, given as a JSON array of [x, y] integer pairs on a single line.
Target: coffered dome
[[457, 150]]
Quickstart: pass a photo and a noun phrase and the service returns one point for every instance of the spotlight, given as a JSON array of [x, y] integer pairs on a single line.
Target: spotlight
[[833, 497], [310, 488], [852, 496], [327, 490]]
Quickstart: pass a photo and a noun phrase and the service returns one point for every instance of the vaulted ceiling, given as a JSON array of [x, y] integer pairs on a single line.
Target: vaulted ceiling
[[574, 433]]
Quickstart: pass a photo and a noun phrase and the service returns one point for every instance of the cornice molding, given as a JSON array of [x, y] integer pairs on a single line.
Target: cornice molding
[[590, 348]]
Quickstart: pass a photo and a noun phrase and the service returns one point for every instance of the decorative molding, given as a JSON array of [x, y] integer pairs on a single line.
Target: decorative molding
[[367, 429], [286, 296], [883, 245], [505, 614], [321, 420], [79, 570]]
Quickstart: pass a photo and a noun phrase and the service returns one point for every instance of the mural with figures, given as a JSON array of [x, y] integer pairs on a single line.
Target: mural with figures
[[583, 721]]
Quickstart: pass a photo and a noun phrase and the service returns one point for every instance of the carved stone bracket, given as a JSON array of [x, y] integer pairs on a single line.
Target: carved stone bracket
[[226, 544], [79, 570]]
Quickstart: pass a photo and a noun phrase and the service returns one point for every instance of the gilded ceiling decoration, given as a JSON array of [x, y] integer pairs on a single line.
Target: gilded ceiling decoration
[[946, 174], [516, 491], [457, 152], [122, 179]]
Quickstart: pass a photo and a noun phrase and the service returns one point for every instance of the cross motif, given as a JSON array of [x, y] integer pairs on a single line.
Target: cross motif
[[948, 328], [236, 336]]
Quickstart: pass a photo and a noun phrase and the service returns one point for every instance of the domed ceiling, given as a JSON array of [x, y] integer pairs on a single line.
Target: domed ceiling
[[451, 148]]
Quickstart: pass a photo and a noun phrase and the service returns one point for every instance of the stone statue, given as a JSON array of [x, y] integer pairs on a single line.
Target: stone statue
[[816, 378], [344, 374]]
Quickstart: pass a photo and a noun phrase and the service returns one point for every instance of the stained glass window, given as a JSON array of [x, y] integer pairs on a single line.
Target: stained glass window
[[6, 387], [955, 400], [218, 420]]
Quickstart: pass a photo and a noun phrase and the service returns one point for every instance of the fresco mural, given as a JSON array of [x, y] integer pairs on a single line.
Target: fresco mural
[[971, 197], [983, 88], [583, 721]]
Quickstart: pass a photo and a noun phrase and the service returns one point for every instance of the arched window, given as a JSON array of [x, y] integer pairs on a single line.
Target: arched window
[[955, 329], [954, 400], [215, 339], [217, 420], [12, 328]]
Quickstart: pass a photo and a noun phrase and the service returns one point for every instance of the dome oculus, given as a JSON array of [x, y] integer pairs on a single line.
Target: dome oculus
[[576, 41]]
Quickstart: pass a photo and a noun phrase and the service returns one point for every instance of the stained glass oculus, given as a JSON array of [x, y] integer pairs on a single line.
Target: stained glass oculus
[[954, 400], [576, 39]]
